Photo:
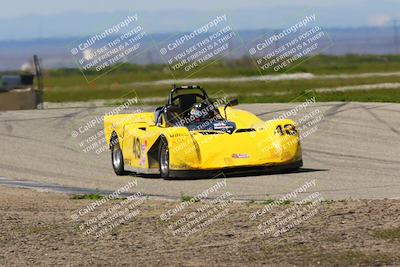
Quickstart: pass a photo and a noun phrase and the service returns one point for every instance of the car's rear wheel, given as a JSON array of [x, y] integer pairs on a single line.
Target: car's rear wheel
[[117, 158], [163, 156]]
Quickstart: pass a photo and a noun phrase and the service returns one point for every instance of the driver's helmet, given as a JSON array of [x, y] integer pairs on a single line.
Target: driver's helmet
[[200, 111]]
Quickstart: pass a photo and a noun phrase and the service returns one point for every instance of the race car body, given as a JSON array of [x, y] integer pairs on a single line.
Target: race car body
[[193, 134]]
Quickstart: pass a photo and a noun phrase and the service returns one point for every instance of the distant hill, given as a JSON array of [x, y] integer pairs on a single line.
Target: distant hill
[[55, 52]]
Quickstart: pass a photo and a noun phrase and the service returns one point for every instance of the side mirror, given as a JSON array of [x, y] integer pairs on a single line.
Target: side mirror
[[231, 103]]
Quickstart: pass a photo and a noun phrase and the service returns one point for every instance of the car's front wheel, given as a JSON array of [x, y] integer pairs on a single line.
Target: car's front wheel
[[163, 157], [117, 158]]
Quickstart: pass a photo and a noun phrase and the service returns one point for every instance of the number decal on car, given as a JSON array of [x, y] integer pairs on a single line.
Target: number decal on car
[[136, 148]]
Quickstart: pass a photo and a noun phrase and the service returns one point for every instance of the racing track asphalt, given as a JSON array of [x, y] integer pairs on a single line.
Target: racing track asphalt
[[353, 154]]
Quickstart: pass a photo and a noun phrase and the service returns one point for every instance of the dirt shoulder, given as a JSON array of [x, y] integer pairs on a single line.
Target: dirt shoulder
[[39, 229]]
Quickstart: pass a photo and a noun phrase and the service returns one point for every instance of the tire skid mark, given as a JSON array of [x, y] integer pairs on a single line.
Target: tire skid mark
[[380, 120]]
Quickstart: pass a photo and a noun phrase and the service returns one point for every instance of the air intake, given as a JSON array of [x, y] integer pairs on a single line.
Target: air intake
[[246, 130]]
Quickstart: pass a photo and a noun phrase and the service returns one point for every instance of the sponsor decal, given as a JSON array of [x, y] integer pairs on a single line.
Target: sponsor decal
[[222, 125], [240, 156], [178, 135], [143, 153], [179, 166]]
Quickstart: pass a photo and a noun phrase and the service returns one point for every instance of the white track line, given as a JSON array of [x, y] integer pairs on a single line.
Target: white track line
[[360, 87], [272, 77]]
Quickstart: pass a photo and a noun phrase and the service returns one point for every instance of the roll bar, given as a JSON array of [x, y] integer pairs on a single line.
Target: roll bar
[[175, 89]]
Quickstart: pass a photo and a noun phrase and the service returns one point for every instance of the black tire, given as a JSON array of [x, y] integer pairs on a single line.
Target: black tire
[[163, 158], [117, 159]]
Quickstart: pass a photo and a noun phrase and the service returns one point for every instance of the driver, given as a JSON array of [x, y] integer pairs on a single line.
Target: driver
[[201, 112]]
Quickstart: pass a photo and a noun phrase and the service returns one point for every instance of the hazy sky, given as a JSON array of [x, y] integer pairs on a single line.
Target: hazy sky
[[29, 19], [49, 7], [16, 8]]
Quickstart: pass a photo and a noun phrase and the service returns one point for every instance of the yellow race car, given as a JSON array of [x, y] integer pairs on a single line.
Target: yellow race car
[[194, 135]]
